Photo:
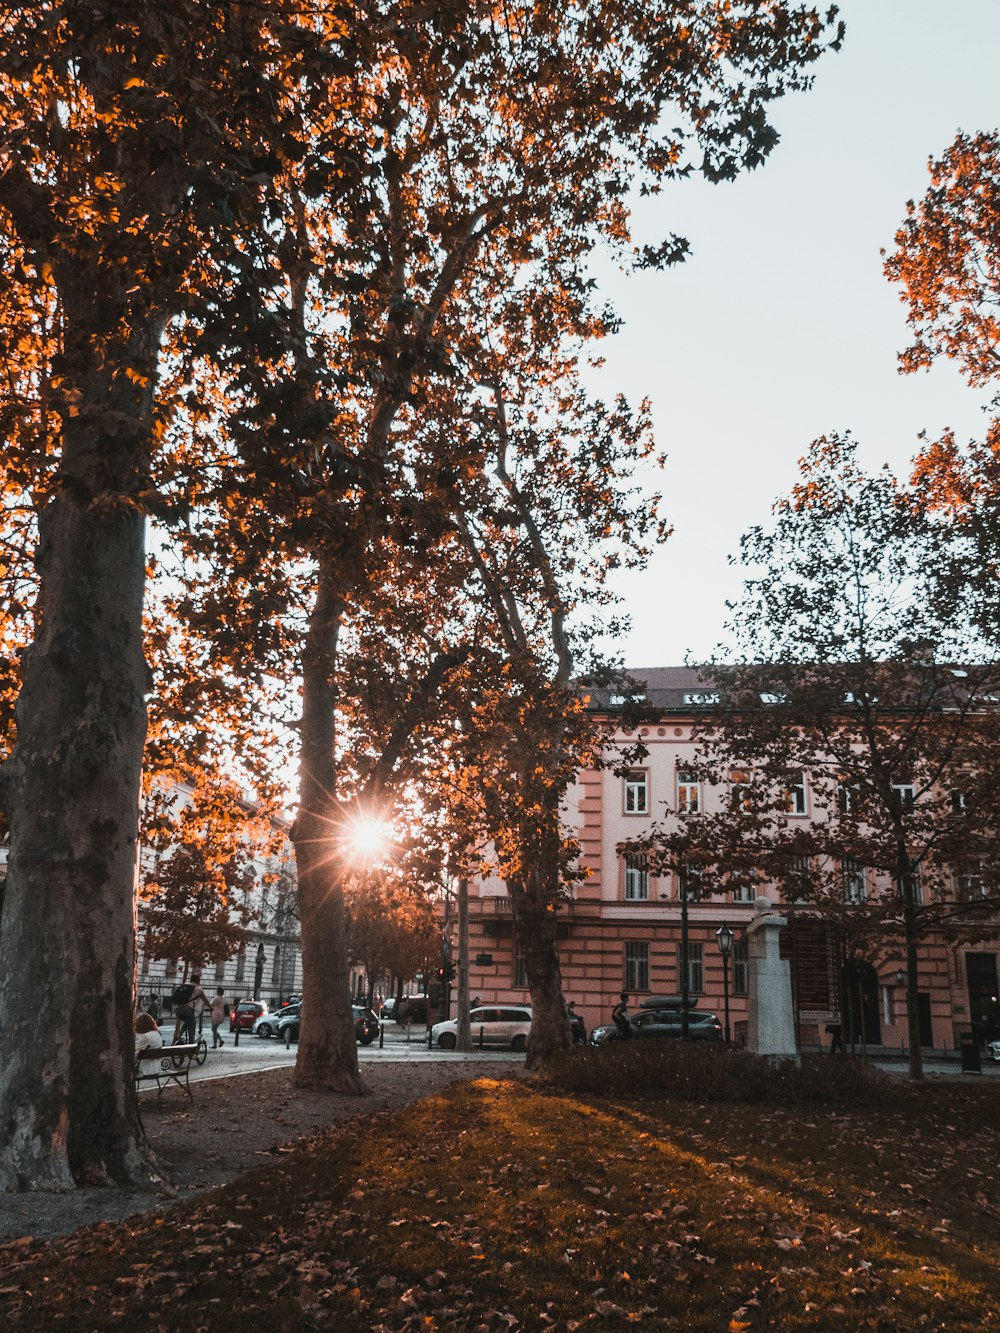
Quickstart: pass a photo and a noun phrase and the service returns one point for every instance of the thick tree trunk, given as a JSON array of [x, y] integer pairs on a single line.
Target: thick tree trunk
[[71, 790], [328, 1054], [532, 902]]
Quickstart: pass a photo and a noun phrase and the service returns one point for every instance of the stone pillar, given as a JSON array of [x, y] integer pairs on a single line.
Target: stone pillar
[[771, 1029]]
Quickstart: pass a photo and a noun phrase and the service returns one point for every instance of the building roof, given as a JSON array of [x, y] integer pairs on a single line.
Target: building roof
[[670, 688]]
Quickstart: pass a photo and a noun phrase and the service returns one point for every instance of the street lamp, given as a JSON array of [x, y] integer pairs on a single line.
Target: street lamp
[[724, 939]]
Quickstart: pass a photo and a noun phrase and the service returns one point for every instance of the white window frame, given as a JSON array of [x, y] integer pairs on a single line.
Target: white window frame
[[797, 794], [739, 789], [906, 792], [688, 793], [970, 883], [848, 798], [635, 957], [636, 879], [635, 794], [855, 880]]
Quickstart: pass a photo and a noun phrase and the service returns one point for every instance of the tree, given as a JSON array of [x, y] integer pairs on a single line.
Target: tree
[[140, 141], [947, 261], [468, 122], [859, 687]]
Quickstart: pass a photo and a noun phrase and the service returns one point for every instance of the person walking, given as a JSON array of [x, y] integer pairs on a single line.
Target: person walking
[[219, 1012], [620, 1017], [185, 997]]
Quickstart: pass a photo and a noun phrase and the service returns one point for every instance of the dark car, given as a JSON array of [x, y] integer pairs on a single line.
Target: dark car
[[660, 1024], [411, 1009], [245, 1014], [365, 1026]]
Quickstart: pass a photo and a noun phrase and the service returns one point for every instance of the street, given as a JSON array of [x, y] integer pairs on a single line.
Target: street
[[398, 1045]]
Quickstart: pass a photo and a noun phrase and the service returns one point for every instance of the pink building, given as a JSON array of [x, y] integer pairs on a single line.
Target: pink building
[[622, 929]]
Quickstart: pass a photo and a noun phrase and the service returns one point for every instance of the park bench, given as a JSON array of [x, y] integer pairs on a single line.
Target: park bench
[[165, 1065]]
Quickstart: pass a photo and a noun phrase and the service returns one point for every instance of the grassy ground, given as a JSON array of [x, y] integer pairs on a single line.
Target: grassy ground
[[501, 1206]]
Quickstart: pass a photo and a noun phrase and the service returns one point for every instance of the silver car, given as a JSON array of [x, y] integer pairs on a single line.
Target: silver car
[[492, 1025]]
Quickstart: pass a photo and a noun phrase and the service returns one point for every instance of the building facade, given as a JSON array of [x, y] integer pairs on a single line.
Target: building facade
[[622, 928]]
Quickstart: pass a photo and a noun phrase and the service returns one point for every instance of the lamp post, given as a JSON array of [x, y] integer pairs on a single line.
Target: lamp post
[[724, 939]]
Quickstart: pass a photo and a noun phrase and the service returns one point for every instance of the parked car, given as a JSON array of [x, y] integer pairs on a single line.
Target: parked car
[[658, 1024], [506, 1025], [245, 1014], [387, 1009], [267, 1024], [365, 1026], [993, 1050]]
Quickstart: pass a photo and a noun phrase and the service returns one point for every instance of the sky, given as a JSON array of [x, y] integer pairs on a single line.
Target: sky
[[780, 326]]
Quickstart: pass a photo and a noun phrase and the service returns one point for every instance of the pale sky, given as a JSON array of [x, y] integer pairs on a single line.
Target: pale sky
[[780, 327]]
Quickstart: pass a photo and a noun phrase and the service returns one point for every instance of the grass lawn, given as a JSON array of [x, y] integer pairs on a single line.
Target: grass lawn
[[502, 1205]]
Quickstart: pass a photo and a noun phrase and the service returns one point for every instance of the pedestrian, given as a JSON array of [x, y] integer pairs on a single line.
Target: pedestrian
[[153, 1008], [577, 1027], [184, 998], [620, 1017], [836, 1033], [148, 1036], [220, 1012]]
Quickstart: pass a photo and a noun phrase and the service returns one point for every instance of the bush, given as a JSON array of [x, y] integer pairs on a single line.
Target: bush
[[705, 1072]]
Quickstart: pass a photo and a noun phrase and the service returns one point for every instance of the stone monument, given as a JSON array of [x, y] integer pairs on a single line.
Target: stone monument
[[771, 1029]]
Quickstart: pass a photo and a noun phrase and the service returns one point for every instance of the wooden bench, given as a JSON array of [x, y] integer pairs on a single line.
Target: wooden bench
[[164, 1065]]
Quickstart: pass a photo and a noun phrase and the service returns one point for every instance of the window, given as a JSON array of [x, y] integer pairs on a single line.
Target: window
[[145, 965], [170, 971], [695, 969], [795, 794], [220, 971], [970, 881], [688, 793], [848, 797], [636, 967], [903, 795], [520, 972], [702, 698], [959, 803], [855, 887], [691, 882], [276, 966], [798, 878], [741, 968], [636, 879], [739, 791], [744, 893], [241, 966], [913, 888], [637, 792]]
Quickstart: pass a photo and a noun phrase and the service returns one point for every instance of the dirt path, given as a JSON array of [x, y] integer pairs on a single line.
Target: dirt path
[[233, 1126]]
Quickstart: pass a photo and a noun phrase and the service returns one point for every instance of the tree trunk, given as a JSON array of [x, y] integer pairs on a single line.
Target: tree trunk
[[328, 1055], [71, 790], [916, 1054], [463, 1027], [532, 903]]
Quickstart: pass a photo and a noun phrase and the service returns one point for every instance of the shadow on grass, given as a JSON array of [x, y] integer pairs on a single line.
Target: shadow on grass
[[513, 1206]]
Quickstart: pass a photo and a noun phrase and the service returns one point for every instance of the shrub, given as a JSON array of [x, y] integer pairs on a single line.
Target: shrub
[[705, 1072]]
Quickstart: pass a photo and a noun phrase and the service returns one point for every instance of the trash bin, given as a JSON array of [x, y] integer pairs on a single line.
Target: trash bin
[[968, 1048]]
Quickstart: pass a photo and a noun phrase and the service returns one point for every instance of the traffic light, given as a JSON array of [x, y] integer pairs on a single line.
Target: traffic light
[[446, 973]]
